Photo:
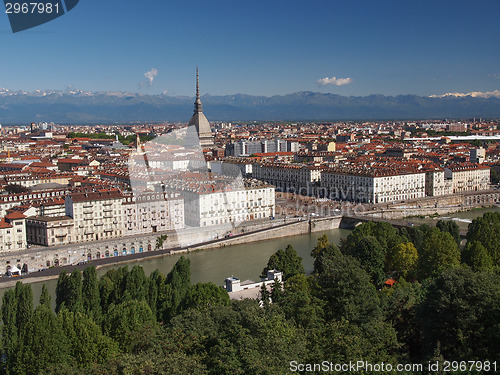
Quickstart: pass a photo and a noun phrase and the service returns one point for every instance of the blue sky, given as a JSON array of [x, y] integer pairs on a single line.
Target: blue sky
[[260, 47]]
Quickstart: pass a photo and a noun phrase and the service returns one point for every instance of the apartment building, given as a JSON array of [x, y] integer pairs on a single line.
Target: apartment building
[[50, 230], [297, 178], [151, 212], [468, 177], [97, 215], [233, 167], [373, 184], [215, 200], [13, 232]]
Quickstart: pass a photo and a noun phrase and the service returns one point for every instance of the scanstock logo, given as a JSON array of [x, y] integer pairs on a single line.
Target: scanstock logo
[[25, 14]]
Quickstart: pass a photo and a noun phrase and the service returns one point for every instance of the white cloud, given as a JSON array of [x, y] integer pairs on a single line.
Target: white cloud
[[150, 76], [334, 81], [474, 94]]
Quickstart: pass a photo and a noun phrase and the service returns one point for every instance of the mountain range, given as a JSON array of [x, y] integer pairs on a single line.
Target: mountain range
[[83, 107]]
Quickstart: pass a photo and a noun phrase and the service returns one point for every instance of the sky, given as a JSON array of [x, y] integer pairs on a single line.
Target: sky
[[354, 47]]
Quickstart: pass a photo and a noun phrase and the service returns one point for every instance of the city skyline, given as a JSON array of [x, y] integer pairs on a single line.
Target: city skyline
[[353, 49]]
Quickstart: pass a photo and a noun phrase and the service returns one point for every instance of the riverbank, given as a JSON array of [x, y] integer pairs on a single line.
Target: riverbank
[[291, 227]]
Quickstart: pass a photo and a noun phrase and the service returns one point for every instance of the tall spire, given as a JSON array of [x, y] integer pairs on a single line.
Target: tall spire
[[197, 104]]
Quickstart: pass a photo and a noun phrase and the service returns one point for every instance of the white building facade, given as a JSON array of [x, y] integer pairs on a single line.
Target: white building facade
[[468, 177], [295, 178], [96, 215], [373, 185], [151, 212]]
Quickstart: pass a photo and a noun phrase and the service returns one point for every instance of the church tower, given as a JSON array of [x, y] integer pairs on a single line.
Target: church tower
[[138, 147], [200, 121]]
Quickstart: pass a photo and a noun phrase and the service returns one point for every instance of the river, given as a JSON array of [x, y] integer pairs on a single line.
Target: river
[[247, 261], [244, 261], [463, 219]]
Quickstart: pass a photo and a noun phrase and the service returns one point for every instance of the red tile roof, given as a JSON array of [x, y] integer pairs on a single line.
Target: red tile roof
[[14, 216]]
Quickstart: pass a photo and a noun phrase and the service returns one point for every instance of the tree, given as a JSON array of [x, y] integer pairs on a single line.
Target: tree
[[403, 260], [401, 305], [112, 287], [9, 318], [368, 251], [288, 262], [329, 251], [460, 313], [495, 177], [127, 317], [298, 303], [476, 256], [204, 295], [136, 285], [44, 344], [45, 297], [238, 339], [265, 296], [440, 252], [87, 344], [346, 290], [154, 282], [486, 230], [386, 234], [73, 298], [24, 296], [416, 235], [173, 289], [90, 294], [62, 289], [160, 240], [451, 227], [322, 243], [342, 341], [277, 290]]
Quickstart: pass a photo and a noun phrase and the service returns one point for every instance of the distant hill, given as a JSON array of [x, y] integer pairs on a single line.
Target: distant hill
[[80, 107]]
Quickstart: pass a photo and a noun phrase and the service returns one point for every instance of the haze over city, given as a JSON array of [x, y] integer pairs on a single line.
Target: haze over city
[[348, 48]]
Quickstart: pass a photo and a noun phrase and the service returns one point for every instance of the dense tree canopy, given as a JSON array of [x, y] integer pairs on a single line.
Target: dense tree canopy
[[402, 260], [371, 256], [439, 252], [287, 261], [451, 227], [486, 230], [461, 312], [127, 322]]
